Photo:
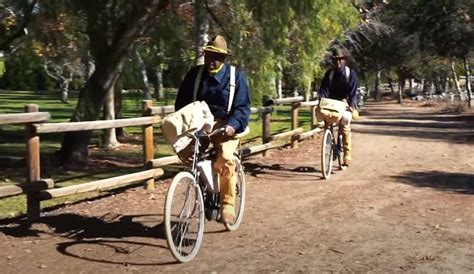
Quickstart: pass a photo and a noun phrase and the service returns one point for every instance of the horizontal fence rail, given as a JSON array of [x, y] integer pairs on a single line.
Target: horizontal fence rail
[[101, 184], [94, 125], [12, 190], [163, 110], [23, 118]]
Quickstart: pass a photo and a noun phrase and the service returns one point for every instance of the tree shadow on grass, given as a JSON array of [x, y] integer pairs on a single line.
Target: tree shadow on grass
[[444, 181]]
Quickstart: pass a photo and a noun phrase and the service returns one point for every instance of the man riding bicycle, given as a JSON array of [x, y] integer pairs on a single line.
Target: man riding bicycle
[[340, 83], [225, 90]]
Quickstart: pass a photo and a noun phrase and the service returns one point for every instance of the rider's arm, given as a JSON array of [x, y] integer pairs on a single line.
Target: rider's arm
[[324, 88], [186, 90], [352, 98], [240, 112]]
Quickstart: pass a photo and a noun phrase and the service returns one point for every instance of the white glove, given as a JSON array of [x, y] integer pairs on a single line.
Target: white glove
[[229, 131]]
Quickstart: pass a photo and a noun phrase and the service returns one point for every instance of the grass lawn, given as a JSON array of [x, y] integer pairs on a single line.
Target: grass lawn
[[104, 164]]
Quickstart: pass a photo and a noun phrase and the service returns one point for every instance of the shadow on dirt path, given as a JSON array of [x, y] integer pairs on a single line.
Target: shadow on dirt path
[[284, 171], [453, 182], [75, 226], [426, 123], [79, 235]]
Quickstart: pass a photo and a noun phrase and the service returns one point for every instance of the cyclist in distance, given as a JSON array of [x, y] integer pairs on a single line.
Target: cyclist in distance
[[340, 83], [229, 102]]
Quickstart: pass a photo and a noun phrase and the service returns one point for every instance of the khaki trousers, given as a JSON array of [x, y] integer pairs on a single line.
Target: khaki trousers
[[224, 166], [346, 142], [346, 139]]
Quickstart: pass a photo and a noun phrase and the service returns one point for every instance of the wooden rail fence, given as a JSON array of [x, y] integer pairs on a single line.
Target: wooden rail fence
[[38, 189]]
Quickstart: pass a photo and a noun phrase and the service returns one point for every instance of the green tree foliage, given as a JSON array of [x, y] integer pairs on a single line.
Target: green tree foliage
[[24, 71], [275, 37]]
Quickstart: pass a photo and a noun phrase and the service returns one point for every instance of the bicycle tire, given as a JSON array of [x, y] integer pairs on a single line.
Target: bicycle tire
[[340, 151], [239, 197], [327, 151], [179, 229]]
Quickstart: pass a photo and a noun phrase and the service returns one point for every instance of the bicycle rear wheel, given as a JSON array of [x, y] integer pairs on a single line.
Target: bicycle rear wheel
[[184, 217], [327, 152], [340, 151], [239, 197]]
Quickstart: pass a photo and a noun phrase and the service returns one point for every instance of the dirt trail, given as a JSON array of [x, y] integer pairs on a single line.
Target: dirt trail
[[406, 204]]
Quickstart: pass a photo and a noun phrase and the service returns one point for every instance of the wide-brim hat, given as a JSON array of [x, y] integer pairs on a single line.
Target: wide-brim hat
[[338, 53], [217, 45]]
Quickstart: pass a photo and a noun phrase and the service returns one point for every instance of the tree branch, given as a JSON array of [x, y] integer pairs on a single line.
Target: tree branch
[[28, 14]]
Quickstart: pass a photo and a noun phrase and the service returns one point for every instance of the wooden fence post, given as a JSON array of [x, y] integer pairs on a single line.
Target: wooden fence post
[[148, 148], [294, 122], [33, 206], [314, 119], [265, 128]]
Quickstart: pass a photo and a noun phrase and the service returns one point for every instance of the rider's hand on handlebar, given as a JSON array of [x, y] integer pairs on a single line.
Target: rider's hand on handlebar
[[229, 130], [206, 128]]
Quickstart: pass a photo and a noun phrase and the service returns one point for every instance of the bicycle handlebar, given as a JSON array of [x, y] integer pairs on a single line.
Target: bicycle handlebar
[[202, 133]]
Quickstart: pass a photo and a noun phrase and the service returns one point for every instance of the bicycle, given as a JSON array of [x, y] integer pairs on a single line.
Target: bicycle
[[195, 195], [331, 150]]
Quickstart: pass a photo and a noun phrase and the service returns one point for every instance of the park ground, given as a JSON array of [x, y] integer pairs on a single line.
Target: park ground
[[405, 205]]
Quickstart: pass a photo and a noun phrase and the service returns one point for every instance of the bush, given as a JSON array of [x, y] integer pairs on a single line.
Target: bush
[[25, 72]]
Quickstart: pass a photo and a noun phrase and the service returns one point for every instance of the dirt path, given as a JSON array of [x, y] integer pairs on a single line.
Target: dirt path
[[406, 204]]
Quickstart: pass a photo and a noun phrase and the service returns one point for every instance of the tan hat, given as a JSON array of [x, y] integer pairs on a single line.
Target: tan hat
[[338, 53], [218, 45]]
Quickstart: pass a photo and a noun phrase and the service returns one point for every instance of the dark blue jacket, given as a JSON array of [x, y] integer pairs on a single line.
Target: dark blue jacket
[[340, 88], [214, 90]]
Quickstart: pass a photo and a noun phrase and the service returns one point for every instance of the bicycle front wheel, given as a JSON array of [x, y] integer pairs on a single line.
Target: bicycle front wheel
[[239, 197], [327, 152], [184, 217]]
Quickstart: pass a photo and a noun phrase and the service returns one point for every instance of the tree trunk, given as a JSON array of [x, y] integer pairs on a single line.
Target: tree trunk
[[432, 89], [410, 86], [120, 132], [109, 111], [389, 79], [202, 30], [455, 77], [64, 89], [62, 81], [89, 67], [158, 83], [307, 92], [377, 95], [278, 86], [74, 148], [468, 82], [446, 85], [367, 88], [110, 42], [144, 77], [401, 86]]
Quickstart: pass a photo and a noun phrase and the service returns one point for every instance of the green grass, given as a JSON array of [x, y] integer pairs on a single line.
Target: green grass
[[12, 147]]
